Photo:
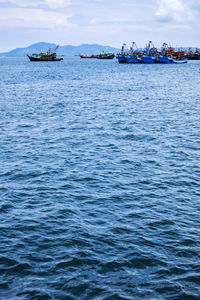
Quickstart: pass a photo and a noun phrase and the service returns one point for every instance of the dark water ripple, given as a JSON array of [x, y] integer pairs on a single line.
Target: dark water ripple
[[99, 180]]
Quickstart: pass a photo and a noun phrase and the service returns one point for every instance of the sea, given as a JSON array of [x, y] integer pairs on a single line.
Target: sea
[[99, 180]]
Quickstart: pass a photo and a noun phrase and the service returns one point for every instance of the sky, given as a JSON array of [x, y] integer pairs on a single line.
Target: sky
[[105, 22]]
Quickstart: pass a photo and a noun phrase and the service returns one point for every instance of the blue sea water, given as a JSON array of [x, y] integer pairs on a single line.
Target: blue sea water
[[99, 180]]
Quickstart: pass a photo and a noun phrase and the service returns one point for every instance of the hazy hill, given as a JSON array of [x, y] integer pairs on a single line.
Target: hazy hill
[[67, 50]]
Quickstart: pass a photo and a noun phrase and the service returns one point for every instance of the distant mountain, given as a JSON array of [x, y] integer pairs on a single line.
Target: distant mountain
[[67, 50]]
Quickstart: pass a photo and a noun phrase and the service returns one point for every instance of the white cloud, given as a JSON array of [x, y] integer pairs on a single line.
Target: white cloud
[[171, 10], [31, 18]]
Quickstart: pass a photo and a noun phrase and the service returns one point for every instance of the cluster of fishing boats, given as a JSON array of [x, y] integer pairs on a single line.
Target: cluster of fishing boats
[[166, 54], [150, 54]]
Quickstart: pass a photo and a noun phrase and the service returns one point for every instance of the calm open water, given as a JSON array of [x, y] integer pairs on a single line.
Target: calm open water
[[99, 180]]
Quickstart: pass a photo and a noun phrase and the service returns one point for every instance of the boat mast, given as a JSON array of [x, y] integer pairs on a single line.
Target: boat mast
[[123, 49], [132, 47], [148, 47]]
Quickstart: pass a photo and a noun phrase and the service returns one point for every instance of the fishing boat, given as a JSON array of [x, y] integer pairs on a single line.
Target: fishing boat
[[169, 55], [133, 57], [122, 59], [193, 54], [130, 56], [105, 56], [149, 54], [50, 55], [165, 55], [167, 60], [179, 57]]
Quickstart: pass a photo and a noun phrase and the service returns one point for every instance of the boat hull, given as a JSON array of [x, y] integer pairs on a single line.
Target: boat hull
[[32, 58], [122, 59], [193, 57], [164, 59], [147, 59], [181, 61], [169, 60], [132, 60], [105, 56]]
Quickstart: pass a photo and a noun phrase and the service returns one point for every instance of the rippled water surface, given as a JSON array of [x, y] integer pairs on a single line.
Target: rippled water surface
[[99, 180]]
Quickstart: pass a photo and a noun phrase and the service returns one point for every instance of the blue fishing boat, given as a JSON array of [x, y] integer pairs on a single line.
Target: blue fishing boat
[[132, 57], [165, 56], [149, 55], [168, 55], [122, 55]]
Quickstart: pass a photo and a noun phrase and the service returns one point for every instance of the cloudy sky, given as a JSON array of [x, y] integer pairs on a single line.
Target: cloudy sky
[[106, 22]]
